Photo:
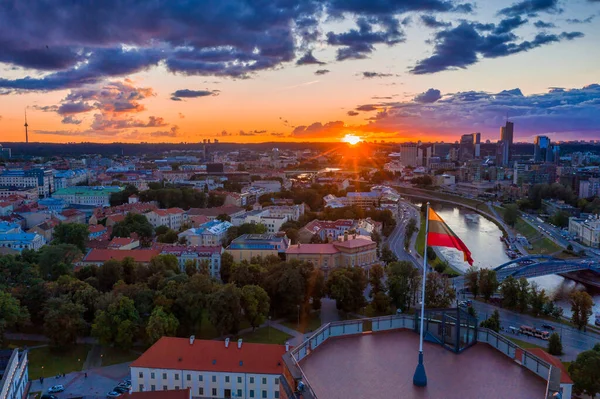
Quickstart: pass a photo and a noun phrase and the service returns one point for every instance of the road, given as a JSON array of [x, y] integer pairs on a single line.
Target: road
[[395, 241], [557, 235], [574, 341]]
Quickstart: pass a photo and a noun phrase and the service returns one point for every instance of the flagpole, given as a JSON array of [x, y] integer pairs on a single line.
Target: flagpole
[[420, 377]]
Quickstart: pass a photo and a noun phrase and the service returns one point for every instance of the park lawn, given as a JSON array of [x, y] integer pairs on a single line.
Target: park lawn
[[525, 228], [48, 362], [112, 356], [13, 344], [525, 344], [420, 244], [312, 324], [265, 335], [544, 246]]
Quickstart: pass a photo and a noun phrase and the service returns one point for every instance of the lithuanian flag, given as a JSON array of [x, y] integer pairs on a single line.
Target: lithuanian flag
[[440, 235]]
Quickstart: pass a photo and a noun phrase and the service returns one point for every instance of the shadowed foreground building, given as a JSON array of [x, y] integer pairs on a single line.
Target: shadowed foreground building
[[376, 358]]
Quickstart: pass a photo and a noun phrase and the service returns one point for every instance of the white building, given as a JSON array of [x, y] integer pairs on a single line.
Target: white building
[[87, 195], [210, 255], [292, 212], [261, 216], [42, 179], [211, 369], [587, 231], [269, 186], [589, 188], [209, 234], [173, 218], [14, 373]]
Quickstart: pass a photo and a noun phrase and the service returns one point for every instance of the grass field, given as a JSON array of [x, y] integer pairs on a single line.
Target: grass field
[[312, 324], [112, 356], [525, 344], [48, 362], [265, 335]]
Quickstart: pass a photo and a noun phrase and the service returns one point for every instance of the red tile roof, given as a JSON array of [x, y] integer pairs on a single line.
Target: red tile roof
[[120, 241], [102, 255], [170, 394], [116, 218], [96, 228], [312, 249], [554, 361], [354, 243], [227, 209], [178, 354]]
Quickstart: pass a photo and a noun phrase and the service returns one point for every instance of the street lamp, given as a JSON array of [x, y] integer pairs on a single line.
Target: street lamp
[[269, 328], [298, 306]]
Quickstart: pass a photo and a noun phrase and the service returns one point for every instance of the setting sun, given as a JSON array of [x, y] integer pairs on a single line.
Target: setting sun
[[351, 139]]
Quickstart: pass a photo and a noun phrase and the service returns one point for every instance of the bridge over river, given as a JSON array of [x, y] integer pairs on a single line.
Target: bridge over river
[[540, 265]]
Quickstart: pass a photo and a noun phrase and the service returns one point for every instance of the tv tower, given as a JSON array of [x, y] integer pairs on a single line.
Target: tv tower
[[26, 125]]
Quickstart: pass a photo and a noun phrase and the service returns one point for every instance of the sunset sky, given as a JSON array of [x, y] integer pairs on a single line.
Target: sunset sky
[[298, 70]]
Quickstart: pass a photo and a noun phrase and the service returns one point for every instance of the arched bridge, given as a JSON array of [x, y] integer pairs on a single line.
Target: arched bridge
[[544, 266]]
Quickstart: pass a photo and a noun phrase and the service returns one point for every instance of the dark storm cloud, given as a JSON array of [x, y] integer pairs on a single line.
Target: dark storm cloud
[[308, 59], [359, 43], [322, 71], [432, 22], [65, 44], [467, 43], [187, 93], [542, 24], [70, 120], [587, 20], [531, 8], [369, 75], [430, 96], [70, 108], [564, 113]]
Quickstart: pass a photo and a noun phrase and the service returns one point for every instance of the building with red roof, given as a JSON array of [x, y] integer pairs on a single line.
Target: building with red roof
[[359, 251], [173, 218], [566, 383], [220, 369], [123, 243], [99, 256], [169, 394]]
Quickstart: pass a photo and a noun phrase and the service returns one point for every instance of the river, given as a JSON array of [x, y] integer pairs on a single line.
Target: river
[[482, 237]]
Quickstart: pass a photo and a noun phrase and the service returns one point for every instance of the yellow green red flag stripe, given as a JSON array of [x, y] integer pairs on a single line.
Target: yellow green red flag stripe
[[440, 235]]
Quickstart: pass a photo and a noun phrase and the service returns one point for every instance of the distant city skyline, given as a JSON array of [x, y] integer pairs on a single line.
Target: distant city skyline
[[238, 71]]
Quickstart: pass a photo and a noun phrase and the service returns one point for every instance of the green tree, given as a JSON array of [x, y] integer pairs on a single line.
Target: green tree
[[161, 324], [493, 322], [118, 324], [57, 260], [190, 303], [169, 237], [509, 289], [63, 321], [403, 282], [226, 266], [523, 295], [560, 219], [162, 229], [555, 344], [581, 306], [255, 304], [346, 287], [224, 309], [488, 283], [511, 214], [11, 313], [538, 299], [387, 256], [431, 255], [438, 291], [108, 274], [411, 228], [585, 372], [252, 228], [472, 281], [376, 274], [134, 223], [292, 234], [71, 233], [223, 217]]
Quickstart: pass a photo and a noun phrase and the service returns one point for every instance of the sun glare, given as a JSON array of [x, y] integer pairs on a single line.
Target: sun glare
[[351, 139]]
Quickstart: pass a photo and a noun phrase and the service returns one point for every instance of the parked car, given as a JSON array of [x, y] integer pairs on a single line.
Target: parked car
[[120, 389], [56, 388], [124, 385], [549, 327], [113, 394], [46, 396]]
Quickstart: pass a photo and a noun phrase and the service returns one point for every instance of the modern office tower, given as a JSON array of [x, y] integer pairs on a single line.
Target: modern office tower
[[542, 151], [409, 154]]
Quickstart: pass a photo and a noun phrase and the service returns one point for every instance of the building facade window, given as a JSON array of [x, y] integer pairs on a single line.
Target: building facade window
[[200, 378], [177, 377], [239, 393], [200, 391], [164, 387], [141, 374], [252, 393], [189, 377], [264, 394], [264, 380], [164, 376], [251, 380], [239, 379], [214, 378], [227, 379], [214, 392], [141, 387], [153, 387], [276, 394], [152, 375]]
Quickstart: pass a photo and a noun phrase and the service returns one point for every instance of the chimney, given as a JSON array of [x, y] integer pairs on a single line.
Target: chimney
[[192, 338], [227, 342], [287, 346], [240, 343]]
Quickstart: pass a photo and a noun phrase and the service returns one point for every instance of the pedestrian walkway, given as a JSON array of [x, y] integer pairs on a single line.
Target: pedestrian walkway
[[93, 359], [43, 338]]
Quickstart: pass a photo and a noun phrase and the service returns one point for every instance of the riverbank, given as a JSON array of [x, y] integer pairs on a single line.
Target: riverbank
[[449, 270]]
